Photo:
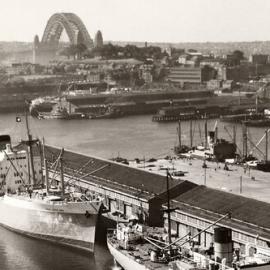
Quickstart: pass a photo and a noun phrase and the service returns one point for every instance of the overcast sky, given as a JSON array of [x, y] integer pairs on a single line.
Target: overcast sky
[[144, 20]]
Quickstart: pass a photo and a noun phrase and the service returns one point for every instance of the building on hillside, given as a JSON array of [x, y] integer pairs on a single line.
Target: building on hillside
[[228, 84], [147, 76], [212, 62], [93, 77], [146, 73], [259, 59], [214, 84], [189, 59], [232, 61], [184, 75]]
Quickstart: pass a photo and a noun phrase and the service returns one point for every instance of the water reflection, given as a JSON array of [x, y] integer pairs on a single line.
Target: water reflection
[[20, 252]]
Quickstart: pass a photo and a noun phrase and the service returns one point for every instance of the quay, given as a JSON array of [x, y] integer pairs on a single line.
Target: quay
[[246, 181], [134, 191]]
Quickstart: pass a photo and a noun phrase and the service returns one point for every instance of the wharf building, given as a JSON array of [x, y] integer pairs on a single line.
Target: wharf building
[[249, 219], [134, 102], [128, 191]]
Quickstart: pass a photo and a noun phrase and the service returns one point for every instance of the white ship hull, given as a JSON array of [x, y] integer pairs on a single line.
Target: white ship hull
[[128, 263], [67, 223]]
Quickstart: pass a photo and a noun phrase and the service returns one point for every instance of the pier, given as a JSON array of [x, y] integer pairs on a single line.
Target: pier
[[237, 179], [128, 191]]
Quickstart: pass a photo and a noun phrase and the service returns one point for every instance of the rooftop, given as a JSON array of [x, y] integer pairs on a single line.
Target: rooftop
[[110, 174], [246, 214]]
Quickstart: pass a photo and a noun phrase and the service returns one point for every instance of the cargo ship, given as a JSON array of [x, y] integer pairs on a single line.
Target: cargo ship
[[140, 248], [43, 209]]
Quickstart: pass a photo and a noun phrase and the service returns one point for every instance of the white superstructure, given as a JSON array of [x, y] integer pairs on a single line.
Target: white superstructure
[[15, 168]]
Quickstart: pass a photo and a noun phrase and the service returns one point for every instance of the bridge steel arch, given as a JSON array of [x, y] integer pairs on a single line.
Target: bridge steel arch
[[73, 25]]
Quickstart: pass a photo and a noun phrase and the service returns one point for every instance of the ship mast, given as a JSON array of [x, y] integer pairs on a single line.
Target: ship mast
[[168, 209], [205, 133], [266, 145], [179, 135], [191, 134], [245, 150], [62, 173], [30, 141]]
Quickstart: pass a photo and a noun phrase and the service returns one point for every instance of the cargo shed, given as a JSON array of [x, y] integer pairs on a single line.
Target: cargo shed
[[125, 190]]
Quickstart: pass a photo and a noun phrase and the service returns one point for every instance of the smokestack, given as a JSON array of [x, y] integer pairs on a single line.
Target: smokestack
[[223, 246]]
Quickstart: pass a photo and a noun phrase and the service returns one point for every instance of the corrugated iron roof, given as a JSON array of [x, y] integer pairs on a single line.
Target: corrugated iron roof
[[250, 211], [114, 175]]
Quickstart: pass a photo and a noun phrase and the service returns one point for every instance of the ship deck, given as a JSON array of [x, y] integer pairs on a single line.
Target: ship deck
[[140, 254]]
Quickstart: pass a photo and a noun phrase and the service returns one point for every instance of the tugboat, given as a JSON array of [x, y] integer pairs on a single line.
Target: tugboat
[[33, 206]]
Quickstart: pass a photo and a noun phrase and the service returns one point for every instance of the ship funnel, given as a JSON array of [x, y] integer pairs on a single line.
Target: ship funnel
[[223, 245], [211, 137], [4, 140]]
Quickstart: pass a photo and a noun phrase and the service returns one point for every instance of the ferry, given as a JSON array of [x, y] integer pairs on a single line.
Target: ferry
[[43, 209]]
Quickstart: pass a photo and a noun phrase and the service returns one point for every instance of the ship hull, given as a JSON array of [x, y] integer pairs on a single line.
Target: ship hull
[[125, 262], [56, 225]]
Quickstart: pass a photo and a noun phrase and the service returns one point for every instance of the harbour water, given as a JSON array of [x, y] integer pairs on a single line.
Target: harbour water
[[129, 137], [19, 252]]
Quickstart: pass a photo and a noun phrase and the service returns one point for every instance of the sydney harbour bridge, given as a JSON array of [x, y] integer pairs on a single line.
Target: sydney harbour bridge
[[58, 22]]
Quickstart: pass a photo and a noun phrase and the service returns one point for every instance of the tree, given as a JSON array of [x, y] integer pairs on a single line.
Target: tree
[[239, 55], [74, 50]]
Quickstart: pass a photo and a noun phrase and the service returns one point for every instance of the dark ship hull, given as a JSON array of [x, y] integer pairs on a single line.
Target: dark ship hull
[[224, 150]]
